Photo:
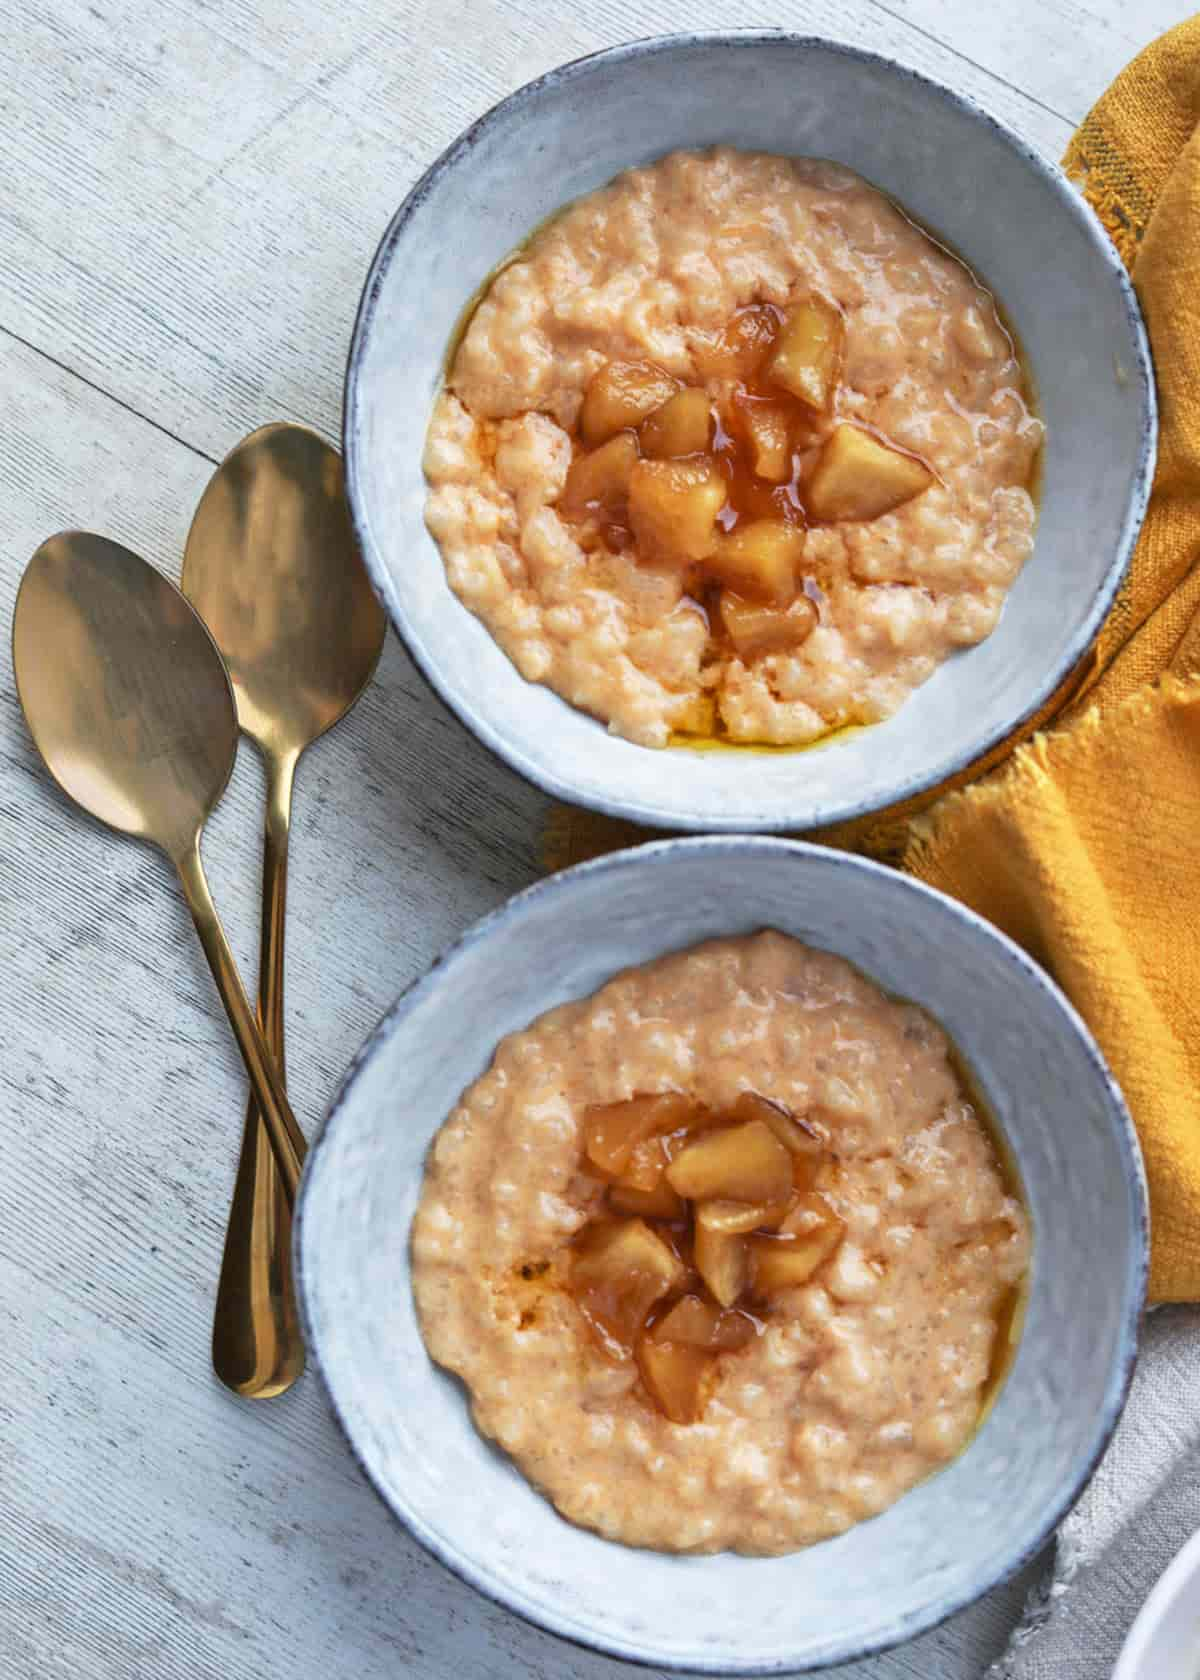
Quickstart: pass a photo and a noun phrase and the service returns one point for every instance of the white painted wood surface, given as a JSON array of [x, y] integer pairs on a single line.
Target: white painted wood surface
[[191, 190]]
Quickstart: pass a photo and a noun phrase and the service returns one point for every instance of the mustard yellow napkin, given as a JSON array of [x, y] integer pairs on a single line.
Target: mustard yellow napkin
[[1084, 842]]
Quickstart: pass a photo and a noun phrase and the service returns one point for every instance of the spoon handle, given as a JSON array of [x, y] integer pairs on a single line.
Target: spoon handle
[[257, 1347], [260, 1065]]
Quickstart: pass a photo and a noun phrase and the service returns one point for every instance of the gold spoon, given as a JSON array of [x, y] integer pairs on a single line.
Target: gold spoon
[[129, 704], [272, 567]]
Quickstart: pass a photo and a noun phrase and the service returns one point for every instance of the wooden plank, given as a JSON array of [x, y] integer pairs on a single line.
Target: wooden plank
[[1062, 54], [201, 190]]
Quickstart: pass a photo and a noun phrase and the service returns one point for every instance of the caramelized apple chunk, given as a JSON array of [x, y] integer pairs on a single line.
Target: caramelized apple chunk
[[598, 481], [737, 1218], [682, 426], [808, 1237], [744, 1163], [694, 1322], [760, 560], [646, 1165], [768, 436], [722, 1259], [806, 1144], [857, 476], [620, 396], [613, 1130], [757, 630], [673, 507], [743, 343], [674, 1376], [618, 1272], [809, 352]]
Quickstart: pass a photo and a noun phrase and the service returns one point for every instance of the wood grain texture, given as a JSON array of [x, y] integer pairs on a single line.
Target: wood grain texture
[[192, 192]]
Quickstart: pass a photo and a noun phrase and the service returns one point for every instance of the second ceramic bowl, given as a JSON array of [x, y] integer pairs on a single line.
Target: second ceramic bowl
[[1008, 212], [943, 1543]]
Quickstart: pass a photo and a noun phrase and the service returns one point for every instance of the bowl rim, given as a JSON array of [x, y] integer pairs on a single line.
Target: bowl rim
[[1026, 971], [848, 807]]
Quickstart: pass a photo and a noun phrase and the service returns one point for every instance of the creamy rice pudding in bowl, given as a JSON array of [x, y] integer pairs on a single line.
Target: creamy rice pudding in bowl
[[820, 441], [728, 1256]]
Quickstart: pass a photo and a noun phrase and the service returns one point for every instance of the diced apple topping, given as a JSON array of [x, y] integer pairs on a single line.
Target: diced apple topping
[[613, 1130], [857, 476], [757, 630], [694, 1322], [619, 1273], [673, 507], [809, 352], [620, 396], [807, 1238], [674, 1376], [722, 1259], [680, 1238], [718, 481], [744, 1163], [682, 426], [760, 560]]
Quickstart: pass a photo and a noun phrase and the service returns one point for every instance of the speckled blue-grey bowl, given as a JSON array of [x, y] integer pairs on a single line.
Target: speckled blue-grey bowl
[[943, 1543], [1012, 215]]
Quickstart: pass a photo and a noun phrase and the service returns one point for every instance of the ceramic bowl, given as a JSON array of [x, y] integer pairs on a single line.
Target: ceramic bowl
[[1164, 1642], [940, 1545], [1006, 210]]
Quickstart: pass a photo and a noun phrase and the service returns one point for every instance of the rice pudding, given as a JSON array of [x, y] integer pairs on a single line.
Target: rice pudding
[[724, 1253], [731, 447]]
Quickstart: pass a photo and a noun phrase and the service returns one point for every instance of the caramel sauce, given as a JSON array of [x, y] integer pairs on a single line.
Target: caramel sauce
[[751, 497], [723, 743], [1010, 1313]]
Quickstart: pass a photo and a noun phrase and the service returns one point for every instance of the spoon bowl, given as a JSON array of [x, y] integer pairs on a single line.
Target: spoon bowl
[[144, 744], [272, 567]]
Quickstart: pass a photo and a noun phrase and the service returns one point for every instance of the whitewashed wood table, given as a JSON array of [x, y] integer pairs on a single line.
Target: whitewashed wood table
[[191, 192]]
